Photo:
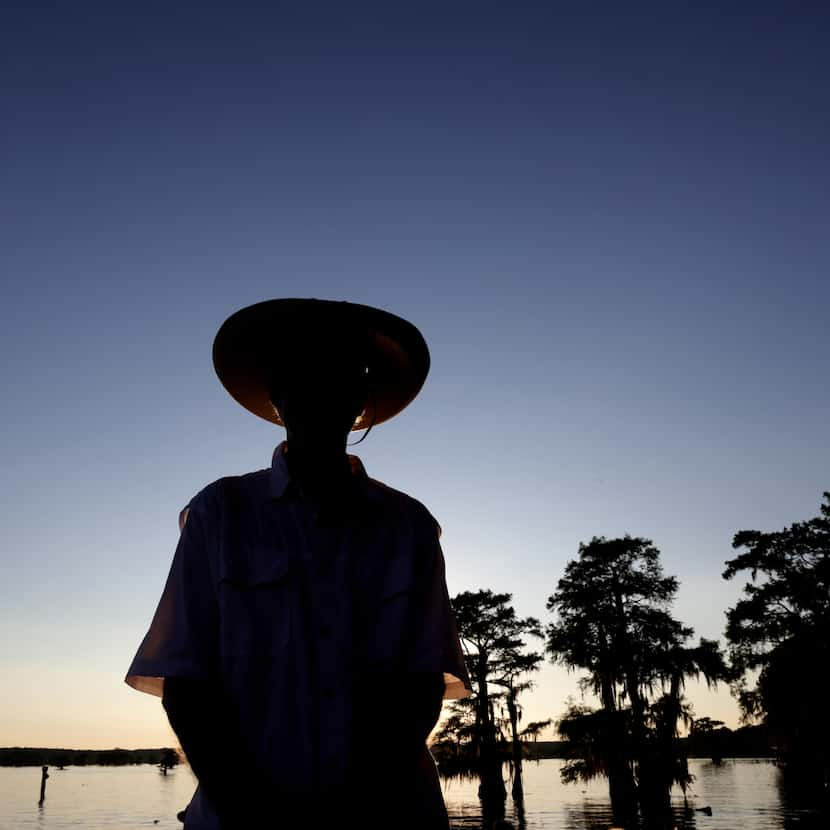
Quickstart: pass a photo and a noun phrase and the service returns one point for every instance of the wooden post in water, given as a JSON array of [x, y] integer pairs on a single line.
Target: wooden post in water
[[44, 774]]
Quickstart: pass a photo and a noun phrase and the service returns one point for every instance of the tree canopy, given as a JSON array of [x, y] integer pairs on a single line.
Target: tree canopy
[[788, 595], [779, 632], [613, 620]]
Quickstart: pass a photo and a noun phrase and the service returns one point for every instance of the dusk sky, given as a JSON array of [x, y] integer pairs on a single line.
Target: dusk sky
[[609, 220]]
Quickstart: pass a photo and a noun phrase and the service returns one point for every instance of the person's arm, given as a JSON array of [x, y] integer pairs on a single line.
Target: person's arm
[[410, 711], [205, 726], [418, 707], [391, 737]]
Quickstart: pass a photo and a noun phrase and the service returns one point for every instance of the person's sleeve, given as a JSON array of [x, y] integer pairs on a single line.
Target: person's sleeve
[[436, 644], [183, 517], [182, 638]]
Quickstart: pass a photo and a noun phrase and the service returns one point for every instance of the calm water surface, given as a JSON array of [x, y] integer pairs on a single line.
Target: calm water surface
[[742, 793]]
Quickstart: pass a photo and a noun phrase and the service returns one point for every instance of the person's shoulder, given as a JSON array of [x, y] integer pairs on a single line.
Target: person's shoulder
[[402, 505], [396, 500], [214, 495]]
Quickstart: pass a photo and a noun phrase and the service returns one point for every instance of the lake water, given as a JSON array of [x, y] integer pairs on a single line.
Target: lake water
[[742, 793]]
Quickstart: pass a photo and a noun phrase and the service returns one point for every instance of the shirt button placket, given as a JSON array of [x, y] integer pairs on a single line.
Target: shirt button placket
[[331, 693]]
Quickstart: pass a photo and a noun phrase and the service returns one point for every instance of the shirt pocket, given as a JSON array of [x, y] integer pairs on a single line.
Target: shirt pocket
[[391, 620], [256, 603]]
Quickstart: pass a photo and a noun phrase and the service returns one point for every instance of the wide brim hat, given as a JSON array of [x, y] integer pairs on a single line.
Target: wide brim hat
[[250, 345]]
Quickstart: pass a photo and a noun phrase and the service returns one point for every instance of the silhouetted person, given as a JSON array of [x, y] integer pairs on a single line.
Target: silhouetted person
[[305, 639]]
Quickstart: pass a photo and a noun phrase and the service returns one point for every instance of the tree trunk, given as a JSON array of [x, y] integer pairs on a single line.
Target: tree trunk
[[517, 744], [491, 790], [621, 787], [647, 787]]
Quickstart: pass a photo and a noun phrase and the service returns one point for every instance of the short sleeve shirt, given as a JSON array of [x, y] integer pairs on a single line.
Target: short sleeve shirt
[[285, 610]]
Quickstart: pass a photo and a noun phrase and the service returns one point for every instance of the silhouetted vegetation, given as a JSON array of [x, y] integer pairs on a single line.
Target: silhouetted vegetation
[[169, 759], [780, 631], [708, 739], [613, 621], [531, 732], [35, 757], [709, 736], [508, 672], [473, 738]]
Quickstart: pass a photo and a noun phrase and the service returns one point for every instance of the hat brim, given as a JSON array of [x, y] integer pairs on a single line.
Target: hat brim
[[399, 364]]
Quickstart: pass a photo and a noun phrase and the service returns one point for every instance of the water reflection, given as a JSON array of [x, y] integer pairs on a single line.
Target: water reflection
[[517, 790], [595, 815], [589, 816], [742, 794]]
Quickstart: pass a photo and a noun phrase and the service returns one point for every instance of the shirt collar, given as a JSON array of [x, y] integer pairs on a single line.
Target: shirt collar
[[282, 485]]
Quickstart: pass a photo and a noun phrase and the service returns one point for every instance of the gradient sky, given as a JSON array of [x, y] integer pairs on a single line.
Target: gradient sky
[[610, 221]]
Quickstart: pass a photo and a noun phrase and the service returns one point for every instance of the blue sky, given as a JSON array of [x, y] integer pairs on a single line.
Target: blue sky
[[608, 220]]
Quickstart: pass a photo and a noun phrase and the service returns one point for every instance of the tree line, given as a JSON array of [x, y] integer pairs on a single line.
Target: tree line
[[611, 620], [17, 756]]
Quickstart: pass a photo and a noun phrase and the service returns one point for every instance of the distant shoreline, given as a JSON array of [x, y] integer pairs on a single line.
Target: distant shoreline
[[559, 749], [718, 744], [20, 756], [56, 757]]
